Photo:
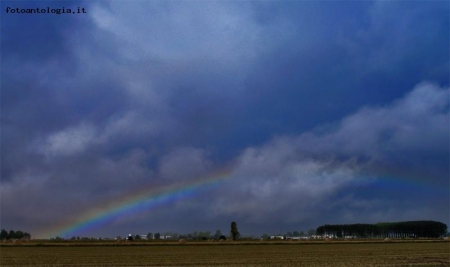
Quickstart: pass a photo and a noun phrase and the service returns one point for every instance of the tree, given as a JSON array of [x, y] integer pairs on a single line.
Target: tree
[[234, 231], [311, 232], [19, 234], [137, 237], [14, 234], [11, 234], [296, 233], [386, 229], [26, 235], [149, 236], [218, 234], [157, 236], [200, 235], [4, 234]]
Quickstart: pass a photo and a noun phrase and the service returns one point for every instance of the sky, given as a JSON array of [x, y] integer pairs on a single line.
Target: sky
[[182, 116]]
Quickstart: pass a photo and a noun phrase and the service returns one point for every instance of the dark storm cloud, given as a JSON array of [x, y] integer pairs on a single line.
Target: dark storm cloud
[[295, 178], [303, 103], [367, 58]]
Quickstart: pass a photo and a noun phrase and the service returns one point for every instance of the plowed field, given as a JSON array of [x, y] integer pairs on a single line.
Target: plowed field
[[293, 254]]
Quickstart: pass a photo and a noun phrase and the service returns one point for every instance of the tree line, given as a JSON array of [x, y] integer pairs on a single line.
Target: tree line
[[412, 229], [5, 235]]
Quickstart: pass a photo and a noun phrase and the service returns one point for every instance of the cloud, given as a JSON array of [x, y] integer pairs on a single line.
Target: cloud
[[300, 176], [184, 163], [264, 186], [69, 141], [295, 99], [179, 33], [393, 135], [289, 179]]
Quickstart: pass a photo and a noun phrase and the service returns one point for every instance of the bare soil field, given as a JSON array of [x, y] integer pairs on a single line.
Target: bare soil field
[[228, 254]]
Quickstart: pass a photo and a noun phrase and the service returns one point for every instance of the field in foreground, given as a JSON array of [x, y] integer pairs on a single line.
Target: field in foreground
[[294, 254]]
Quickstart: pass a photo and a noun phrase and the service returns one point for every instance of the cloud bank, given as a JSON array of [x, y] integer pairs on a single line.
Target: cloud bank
[[318, 113]]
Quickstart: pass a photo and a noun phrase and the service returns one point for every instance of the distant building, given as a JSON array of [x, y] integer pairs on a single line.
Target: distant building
[[277, 237]]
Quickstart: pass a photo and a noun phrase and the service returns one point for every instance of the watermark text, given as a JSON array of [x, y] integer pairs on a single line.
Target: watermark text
[[45, 10]]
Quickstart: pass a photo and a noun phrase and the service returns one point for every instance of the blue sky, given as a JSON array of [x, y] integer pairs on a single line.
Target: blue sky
[[320, 112]]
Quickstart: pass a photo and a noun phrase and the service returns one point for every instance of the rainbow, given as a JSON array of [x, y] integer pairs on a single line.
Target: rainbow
[[132, 203]]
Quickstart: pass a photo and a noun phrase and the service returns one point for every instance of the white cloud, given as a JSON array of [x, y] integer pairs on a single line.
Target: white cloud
[[298, 176], [69, 141], [178, 31], [276, 179], [134, 123], [419, 122]]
